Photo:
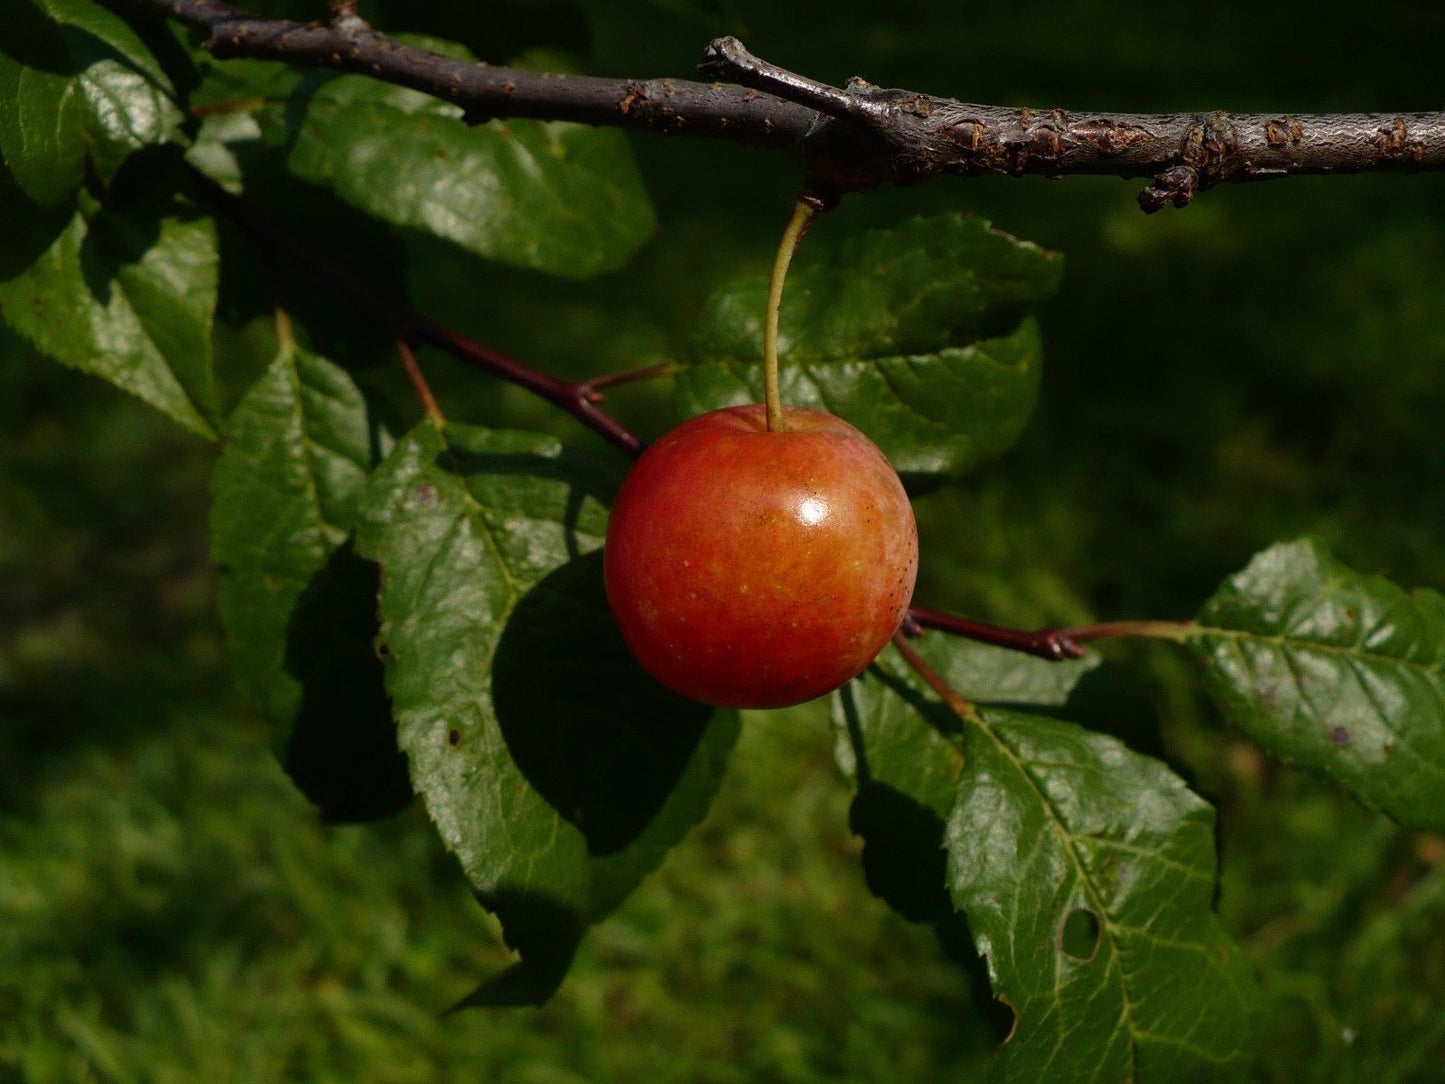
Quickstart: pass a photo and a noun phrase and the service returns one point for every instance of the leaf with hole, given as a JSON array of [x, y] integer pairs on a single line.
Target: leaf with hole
[[1340, 673], [1087, 873], [555, 769], [919, 336]]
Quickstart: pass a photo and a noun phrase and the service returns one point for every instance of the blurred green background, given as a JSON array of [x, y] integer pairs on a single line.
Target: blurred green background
[[1267, 363]]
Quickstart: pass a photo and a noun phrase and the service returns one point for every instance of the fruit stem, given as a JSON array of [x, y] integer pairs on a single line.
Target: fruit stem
[[772, 397], [932, 678]]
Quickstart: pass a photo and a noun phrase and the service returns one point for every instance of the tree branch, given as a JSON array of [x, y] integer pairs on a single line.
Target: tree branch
[[860, 136]]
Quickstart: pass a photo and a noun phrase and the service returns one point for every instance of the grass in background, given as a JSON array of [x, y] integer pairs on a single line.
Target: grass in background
[[172, 911]]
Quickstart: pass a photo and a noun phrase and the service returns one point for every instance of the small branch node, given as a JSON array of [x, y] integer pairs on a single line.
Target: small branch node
[[727, 59], [344, 17], [1178, 185]]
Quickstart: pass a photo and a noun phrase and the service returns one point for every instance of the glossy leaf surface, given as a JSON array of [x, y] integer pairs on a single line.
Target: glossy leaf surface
[[919, 336], [298, 605], [902, 747], [125, 290], [1340, 673], [75, 82], [557, 771], [558, 198], [1087, 873]]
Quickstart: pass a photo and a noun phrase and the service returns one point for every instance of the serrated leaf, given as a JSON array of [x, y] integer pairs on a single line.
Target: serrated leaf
[[1087, 874], [902, 748], [918, 335], [560, 198], [75, 80], [1340, 673], [126, 290], [299, 607], [554, 768]]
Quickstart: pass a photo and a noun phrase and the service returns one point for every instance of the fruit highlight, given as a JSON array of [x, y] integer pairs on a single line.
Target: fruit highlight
[[757, 569]]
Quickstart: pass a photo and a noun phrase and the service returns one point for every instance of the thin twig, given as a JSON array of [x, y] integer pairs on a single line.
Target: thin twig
[[860, 136], [932, 678], [412, 326], [591, 387], [1055, 645], [418, 383], [1110, 630]]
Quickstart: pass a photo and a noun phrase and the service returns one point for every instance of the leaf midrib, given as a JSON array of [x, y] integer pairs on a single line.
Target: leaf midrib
[[1107, 922], [1285, 641]]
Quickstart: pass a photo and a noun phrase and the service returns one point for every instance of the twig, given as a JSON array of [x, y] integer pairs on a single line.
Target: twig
[[1055, 645], [591, 388], [861, 136], [576, 398], [418, 383], [1151, 630], [932, 678]]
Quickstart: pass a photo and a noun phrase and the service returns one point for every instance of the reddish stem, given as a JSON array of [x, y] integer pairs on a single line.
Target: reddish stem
[[1056, 645], [589, 388], [580, 399], [573, 397], [418, 383], [931, 677]]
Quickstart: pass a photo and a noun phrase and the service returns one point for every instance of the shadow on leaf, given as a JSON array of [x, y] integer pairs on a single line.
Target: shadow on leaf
[[343, 751], [26, 230], [544, 933], [597, 737]]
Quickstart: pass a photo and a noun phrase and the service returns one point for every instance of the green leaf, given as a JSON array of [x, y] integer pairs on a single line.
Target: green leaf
[[560, 198], [902, 748], [126, 290], [1087, 873], [299, 607], [917, 335], [553, 766], [1340, 673], [75, 80]]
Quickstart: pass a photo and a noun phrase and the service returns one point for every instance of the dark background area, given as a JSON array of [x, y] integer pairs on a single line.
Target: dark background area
[[1267, 363]]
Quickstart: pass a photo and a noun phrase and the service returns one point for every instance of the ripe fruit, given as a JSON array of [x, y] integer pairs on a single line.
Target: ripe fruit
[[750, 568]]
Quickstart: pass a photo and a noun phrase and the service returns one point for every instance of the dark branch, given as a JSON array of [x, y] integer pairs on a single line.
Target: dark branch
[[485, 91], [861, 136], [1055, 645]]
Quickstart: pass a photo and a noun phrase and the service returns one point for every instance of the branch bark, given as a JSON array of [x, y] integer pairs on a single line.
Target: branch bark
[[860, 136]]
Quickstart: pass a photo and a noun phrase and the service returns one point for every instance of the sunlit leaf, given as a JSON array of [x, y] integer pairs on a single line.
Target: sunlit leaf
[[75, 81], [902, 748], [1087, 874], [298, 605], [126, 290], [917, 335], [559, 198], [1341, 673], [555, 769]]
